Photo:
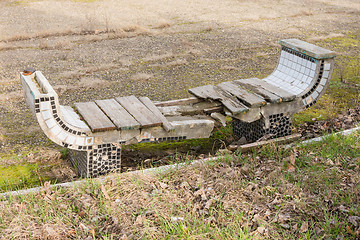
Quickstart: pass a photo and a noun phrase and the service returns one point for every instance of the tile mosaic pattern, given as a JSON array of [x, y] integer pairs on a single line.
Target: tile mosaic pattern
[[295, 72], [280, 126], [70, 136], [301, 75], [103, 159]]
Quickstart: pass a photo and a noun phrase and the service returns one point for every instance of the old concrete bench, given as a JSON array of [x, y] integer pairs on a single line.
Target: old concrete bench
[[95, 131], [264, 107]]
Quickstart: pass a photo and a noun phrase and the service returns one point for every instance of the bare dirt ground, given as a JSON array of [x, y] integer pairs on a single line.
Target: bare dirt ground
[[100, 49]]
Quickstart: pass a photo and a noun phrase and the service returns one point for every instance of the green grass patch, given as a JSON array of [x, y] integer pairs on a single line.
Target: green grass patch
[[18, 177]]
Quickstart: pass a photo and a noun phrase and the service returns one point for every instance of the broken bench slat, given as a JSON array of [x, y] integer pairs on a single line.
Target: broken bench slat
[[286, 96], [118, 115], [177, 102], [267, 95], [250, 146], [95, 118], [215, 93], [249, 99], [150, 105], [139, 111]]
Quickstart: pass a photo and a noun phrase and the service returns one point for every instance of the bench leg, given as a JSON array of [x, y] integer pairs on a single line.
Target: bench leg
[[279, 126], [100, 160]]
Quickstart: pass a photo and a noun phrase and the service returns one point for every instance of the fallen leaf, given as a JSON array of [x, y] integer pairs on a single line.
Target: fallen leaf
[[103, 190], [291, 167], [124, 237], [318, 230], [286, 226], [261, 230], [208, 204], [295, 227], [304, 227], [140, 220], [47, 187]]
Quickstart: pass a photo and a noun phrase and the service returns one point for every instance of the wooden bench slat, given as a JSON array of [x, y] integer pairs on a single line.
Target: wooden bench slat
[[95, 118], [286, 96], [118, 115], [139, 111], [249, 99], [215, 93], [151, 106], [267, 95]]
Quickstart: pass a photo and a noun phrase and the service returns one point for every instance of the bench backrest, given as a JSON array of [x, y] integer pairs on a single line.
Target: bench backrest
[[303, 69]]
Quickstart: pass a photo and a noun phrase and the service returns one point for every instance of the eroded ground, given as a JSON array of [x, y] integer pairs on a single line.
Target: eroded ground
[[101, 49]]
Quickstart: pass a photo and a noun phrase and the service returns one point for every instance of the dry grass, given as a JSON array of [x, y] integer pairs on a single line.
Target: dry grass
[[304, 192], [136, 29], [163, 25]]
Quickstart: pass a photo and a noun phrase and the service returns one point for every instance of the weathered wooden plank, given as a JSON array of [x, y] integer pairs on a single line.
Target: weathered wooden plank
[[150, 105], [118, 115], [267, 95], [286, 96], [94, 117], [139, 111], [249, 99], [215, 93], [177, 102], [250, 146]]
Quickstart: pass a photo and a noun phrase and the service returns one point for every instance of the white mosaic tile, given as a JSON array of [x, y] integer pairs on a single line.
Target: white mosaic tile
[[312, 73], [296, 82], [313, 66], [323, 81], [302, 69], [45, 106], [281, 68], [327, 67], [308, 64], [56, 130], [326, 74], [62, 135], [80, 141], [282, 54], [50, 122], [303, 62], [71, 139], [287, 55], [286, 62], [46, 114], [319, 88], [314, 95]]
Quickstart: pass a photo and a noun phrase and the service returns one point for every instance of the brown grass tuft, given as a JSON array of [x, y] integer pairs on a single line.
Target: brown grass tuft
[[163, 25]]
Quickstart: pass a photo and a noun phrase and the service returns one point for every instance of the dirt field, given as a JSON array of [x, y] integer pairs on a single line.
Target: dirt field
[[100, 49]]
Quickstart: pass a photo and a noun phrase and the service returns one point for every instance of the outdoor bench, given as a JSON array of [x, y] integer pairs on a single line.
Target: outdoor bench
[[266, 106], [94, 131]]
